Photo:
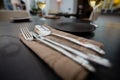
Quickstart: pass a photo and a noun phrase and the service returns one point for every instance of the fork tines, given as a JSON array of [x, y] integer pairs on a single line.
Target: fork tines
[[26, 33]]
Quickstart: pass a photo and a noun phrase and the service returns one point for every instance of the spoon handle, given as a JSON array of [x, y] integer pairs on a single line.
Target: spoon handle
[[87, 45]]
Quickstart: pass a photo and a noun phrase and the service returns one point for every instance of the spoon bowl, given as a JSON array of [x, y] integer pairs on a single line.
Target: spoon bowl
[[43, 31]]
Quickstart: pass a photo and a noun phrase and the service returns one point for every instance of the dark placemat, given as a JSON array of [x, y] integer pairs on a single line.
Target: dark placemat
[[9, 46]]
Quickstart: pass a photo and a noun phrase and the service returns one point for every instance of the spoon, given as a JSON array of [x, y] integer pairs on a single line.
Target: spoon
[[44, 31]]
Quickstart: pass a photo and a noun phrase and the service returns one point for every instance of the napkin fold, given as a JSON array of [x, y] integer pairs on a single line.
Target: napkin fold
[[66, 68]]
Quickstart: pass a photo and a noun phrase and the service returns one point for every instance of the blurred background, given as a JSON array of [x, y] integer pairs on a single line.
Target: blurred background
[[62, 6]]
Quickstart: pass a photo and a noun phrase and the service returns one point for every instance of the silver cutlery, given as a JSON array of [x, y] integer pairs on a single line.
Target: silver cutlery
[[31, 36], [44, 31], [88, 56]]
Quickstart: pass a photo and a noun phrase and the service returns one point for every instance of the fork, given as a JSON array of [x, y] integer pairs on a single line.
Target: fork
[[29, 36]]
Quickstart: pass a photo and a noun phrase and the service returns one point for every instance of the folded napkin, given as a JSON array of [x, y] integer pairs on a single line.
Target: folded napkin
[[66, 68]]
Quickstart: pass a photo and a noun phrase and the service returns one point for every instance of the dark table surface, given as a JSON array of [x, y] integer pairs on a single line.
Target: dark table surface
[[17, 62]]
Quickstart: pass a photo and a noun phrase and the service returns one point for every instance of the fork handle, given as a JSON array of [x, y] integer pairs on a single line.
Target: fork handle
[[77, 59], [88, 45]]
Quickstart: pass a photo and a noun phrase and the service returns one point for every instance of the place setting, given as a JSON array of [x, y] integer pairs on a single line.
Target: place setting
[[70, 56]]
